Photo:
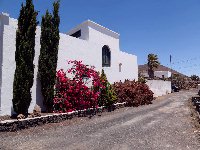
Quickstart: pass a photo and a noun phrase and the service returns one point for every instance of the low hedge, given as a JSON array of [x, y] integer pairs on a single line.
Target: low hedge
[[133, 93]]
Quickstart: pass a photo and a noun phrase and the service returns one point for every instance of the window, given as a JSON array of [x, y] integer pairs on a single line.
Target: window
[[76, 34], [106, 56], [120, 67]]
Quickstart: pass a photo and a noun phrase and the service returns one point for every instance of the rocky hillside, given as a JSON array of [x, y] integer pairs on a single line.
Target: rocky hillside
[[144, 68]]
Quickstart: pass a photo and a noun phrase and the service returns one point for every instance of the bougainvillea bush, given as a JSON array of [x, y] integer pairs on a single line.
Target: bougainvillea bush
[[133, 93], [74, 93]]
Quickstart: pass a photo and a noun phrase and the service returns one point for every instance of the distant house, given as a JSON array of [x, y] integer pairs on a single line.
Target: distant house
[[159, 74], [161, 71]]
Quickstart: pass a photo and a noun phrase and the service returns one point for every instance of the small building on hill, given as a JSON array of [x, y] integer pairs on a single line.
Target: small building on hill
[[160, 72], [90, 42]]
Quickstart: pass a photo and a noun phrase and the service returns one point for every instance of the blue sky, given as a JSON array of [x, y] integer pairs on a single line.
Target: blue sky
[[162, 27]]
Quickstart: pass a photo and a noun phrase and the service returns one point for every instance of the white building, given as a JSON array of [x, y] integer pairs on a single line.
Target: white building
[[90, 42], [162, 74], [159, 74]]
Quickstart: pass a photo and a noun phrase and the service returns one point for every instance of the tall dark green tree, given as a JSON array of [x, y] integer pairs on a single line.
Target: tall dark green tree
[[49, 54], [107, 94], [24, 56]]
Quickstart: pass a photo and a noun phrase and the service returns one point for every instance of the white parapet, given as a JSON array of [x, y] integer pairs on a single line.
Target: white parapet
[[159, 87]]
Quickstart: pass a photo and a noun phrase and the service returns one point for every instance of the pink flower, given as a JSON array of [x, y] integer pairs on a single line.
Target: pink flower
[[73, 92]]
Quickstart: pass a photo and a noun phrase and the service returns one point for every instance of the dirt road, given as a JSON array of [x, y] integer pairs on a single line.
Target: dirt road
[[164, 125]]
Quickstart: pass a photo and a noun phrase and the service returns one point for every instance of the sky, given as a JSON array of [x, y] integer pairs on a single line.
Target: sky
[[162, 27]]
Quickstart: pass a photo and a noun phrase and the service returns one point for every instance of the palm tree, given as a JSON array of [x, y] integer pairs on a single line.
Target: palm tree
[[152, 64]]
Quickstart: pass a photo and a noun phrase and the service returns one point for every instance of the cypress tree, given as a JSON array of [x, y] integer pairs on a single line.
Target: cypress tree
[[49, 41], [107, 94], [24, 56]]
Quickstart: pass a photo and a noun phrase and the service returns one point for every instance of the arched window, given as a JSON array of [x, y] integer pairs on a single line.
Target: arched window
[[106, 56]]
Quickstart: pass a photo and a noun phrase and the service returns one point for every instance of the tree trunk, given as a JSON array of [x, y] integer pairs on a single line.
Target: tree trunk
[[151, 73]]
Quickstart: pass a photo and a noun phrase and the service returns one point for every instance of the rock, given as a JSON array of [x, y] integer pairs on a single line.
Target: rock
[[35, 114], [37, 109], [21, 116]]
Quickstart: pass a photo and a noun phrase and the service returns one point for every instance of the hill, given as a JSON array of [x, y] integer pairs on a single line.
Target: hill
[[144, 68]]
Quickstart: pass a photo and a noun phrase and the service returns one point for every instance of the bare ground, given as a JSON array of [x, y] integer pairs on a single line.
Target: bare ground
[[164, 125]]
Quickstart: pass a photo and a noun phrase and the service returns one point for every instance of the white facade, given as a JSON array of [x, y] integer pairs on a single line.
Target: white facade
[[88, 48]]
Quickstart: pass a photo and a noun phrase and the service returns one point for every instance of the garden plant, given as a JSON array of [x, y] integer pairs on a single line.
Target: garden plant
[[24, 56], [134, 93], [49, 41], [78, 92]]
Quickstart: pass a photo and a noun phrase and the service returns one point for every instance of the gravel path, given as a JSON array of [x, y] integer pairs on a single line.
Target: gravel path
[[164, 125]]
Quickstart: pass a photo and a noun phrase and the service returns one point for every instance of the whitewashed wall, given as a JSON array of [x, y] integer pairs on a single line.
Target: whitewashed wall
[[90, 53], [103, 39], [159, 87], [159, 74], [1, 50], [70, 48], [9, 65]]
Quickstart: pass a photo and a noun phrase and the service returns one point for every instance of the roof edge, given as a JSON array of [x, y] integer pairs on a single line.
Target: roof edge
[[91, 23]]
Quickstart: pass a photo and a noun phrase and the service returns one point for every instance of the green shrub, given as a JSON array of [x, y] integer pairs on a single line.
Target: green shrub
[[141, 79], [107, 95]]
